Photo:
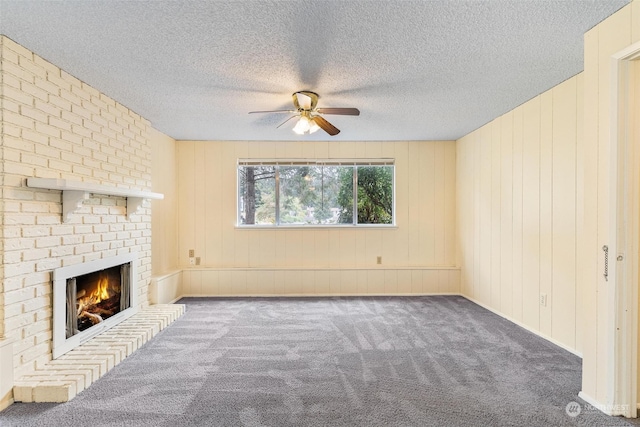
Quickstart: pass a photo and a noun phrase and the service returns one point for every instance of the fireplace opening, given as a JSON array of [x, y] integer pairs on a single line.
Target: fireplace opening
[[91, 297], [94, 297]]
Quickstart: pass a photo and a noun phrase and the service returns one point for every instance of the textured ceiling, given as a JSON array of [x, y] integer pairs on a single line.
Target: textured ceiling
[[417, 70]]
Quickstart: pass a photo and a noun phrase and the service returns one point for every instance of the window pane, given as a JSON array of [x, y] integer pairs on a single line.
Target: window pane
[[312, 194], [375, 194], [257, 187], [345, 195]]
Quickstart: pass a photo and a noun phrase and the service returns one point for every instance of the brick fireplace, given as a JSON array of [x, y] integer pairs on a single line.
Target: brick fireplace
[[56, 126]]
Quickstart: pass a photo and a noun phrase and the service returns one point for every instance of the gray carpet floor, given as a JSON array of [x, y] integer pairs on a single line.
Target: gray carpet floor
[[388, 361]]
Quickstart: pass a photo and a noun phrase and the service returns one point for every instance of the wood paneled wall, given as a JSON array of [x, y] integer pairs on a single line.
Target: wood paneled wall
[[612, 35], [164, 212], [518, 210], [425, 215]]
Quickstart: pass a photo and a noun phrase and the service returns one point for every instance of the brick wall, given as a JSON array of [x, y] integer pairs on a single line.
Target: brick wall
[[56, 126]]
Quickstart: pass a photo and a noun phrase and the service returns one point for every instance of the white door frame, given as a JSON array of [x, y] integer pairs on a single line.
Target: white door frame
[[625, 241]]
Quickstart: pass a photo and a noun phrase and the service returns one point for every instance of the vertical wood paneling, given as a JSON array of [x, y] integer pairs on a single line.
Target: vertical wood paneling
[[506, 214], [614, 35], [496, 219], [580, 189], [425, 233], [517, 213], [485, 215], [589, 251], [439, 198], [450, 238], [186, 201], [547, 191], [564, 212]]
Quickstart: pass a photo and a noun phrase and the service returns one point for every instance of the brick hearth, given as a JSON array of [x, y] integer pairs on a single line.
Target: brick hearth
[[60, 380]]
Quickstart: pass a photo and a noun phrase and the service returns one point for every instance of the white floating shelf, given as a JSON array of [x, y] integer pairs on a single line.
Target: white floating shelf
[[74, 193]]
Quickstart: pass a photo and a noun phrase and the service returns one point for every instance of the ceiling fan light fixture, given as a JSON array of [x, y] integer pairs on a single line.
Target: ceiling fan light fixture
[[302, 126], [314, 126]]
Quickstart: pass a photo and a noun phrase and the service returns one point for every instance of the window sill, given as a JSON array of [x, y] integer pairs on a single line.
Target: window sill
[[317, 227]]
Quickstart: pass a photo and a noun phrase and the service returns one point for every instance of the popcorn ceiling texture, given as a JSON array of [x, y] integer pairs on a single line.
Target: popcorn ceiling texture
[[56, 126], [417, 70]]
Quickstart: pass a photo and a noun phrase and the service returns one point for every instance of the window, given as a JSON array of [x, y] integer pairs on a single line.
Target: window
[[323, 193]]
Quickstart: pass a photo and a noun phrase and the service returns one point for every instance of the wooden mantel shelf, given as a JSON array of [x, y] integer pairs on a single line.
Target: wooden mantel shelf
[[74, 193]]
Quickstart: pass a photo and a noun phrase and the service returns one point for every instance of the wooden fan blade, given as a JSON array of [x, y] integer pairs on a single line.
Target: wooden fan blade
[[273, 111], [295, 115], [326, 126], [342, 111]]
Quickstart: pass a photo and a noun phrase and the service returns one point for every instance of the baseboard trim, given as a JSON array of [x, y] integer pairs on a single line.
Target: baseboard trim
[[522, 325], [594, 403], [317, 295]]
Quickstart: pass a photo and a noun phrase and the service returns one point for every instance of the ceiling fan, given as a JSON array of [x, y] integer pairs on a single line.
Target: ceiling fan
[[305, 103]]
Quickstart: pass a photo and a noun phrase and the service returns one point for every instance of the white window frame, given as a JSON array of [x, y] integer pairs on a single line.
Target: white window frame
[[316, 162]]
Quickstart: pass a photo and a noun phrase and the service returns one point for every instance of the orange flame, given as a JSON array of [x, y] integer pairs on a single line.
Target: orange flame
[[101, 292]]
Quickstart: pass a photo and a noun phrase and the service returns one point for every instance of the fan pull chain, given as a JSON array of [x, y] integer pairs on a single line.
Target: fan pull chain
[[605, 248]]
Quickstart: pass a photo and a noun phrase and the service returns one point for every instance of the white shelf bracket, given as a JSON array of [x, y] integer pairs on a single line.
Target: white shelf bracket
[[133, 205], [72, 201]]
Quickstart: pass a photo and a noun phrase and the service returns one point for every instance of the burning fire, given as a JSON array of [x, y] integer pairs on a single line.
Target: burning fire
[[88, 300]]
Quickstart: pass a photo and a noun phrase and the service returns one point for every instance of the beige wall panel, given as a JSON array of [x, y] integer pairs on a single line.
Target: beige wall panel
[[322, 284], [506, 214], [415, 255], [531, 214], [589, 251], [163, 212], [186, 201], [195, 285], [439, 198], [517, 213], [208, 181], [547, 191], [321, 249], [580, 190], [335, 282], [398, 243], [375, 281], [293, 283], [199, 212], [266, 283], [496, 219], [427, 208], [484, 284], [476, 144], [226, 286], [213, 242], [416, 281], [404, 280], [390, 282], [614, 35], [564, 212], [454, 281], [348, 282], [450, 239], [210, 283], [279, 282], [362, 281], [430, 282]]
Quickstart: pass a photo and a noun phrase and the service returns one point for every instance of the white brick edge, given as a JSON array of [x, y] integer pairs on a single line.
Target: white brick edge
[[60, 380]]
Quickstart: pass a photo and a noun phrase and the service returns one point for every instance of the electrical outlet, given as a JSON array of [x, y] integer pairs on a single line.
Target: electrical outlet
[[379, 260], [192, 253], [543, 300], [197, 260], [192, 261]]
